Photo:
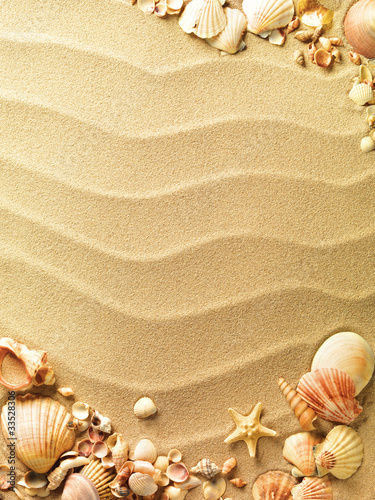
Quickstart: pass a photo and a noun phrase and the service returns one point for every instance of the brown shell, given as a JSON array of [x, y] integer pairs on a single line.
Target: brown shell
[[275, 485], [303, 412]]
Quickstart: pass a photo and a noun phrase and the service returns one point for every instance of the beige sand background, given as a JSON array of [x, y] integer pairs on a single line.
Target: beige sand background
[[179, 224]]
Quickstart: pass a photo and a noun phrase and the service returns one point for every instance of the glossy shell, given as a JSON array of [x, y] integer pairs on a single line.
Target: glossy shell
[[275, 485], [312, 13], [266, 15], [177, 472], [298, 450], [360, 27]]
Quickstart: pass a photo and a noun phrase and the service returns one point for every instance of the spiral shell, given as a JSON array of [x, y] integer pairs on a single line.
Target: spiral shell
[[298, 450], [266, 15], [207, 468], [237, 481], [204, 18], [303, 412], [228, 465], [298, 57], [144, 408], [230, 39], [313, 488], [273, 484], [119, 448], [360, 27]]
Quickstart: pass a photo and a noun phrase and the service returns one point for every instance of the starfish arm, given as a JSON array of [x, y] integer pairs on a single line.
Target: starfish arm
[[255, 414], [264, 431], [236, 435], [252, 445], [237, 417]]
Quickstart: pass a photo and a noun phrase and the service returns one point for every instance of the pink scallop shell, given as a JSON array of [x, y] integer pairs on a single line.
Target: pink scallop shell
[[360, 27]]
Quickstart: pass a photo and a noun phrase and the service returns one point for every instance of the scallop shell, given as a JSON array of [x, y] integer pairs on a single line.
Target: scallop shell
[[360, 27], [214, 488], [144, 408], [100, 478], [207, 468], [177, 472], [204, 18], [273, 484], [228, 465], [323, 58], [119, 448], [313, 14], [330, 393], [41, 431], [303, 412], [298, 450], [348, 352], [266, 15], [142, 484], [230, 39], [313, 488], [145, 450], [340, 454]]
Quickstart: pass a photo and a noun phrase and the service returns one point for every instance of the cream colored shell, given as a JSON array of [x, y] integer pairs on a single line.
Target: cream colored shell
[[145, 450], [214, 488], [298, 450], [142, 484], [230, 39], [361, 94], [144, 408], [313, 488], [266, 15], [204, 18]]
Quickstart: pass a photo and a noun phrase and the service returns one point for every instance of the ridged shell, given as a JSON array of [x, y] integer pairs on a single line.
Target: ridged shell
[[230, 39], [56, 477], [348, 352], [78, 486], [275, 485], [266, 15], [313, 14], [142, 484], [145, 450], [41, 431], [298, 450], [204, 18], [360, 27], [361, 94], [313, 488], [207, 468], [119, 448], [144, 408], [330, 393], [228, 465], [100, 477], [340, 454], [302, 411]]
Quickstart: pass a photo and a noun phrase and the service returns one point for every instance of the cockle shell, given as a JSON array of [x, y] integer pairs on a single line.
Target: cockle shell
[[349, 352], [340, 454], [214, 488], [144, 408], [207, 468], [313, 488], [119, 448], [177, 472], [204, 18], [313, 14], [230, 39], [228, 465], [303, 412], [323, 58], [145, 450], [41, 431], [298, 450], [360, 27], [361, 94], [38, 370], [142, 484], [237, 481], [330, 393], [298, 57], [266, 15], [275, 485]]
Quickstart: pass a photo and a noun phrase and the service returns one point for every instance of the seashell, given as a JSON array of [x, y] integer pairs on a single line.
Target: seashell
[[330, 392], [237, 481], [71, 463], [69, 454], [41, 431], [144, 408], [190, 483], [120, 491], [94, 435], [146, 6], [230, 39], [361, 94], [92, 483], [301, 409], [298, 450], [55, 478], [38, 370], [142, 484], [313, 14], [267, 15], [360, 27], [159, 11], [371, 122], [80, 411], [207, 468], [311, 49], [100, 423], [177, 472], [325, 43], [214, 488], [174, 456], [174, 6], [204, 18], [354, 57], [336, 54], [84, 447], [347, 351], [107, 461], [298, 57], [372, 135], [162, 463], [340, 454], [119, 448], [273, 484], [277, 37], [313, 488], [144, 467], [336, 41], [367, 144], [322, 58], [4, 476], [161, 478], [304, 36], [100, 449], [125, 472], [293, 25], [81, 425], [35, 480], [228, 465], [175, 493], [65, 391], [317, 33], [145, 450]]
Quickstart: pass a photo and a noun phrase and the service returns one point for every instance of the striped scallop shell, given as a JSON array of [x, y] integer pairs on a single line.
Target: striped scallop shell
[[330, 393], [313, 488], [230, 39], [298, 450], [275, 485], [361, 94], [340, 454], [204, 18], [41, 431], [266, 15], [360, 27]]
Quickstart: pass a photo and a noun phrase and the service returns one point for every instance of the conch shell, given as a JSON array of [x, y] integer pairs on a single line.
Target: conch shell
[[267, 15], [204, 18], [273, 484], [207, 468], [298, 450], [303, 412], [313, 488], [230, 39], [360, 27], [38, 370]]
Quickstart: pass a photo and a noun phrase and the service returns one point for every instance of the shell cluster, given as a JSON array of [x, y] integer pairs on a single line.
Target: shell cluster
[[362, 94], [321, 51]]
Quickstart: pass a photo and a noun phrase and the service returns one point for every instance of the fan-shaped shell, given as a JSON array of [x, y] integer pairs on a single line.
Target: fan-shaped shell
[[145, 450], [360, 27], [204, 18], [142, 484], [41, 431], [313, 488], [100, 478], [340, 454], [361, 94], [330, 393], [313, 14], [266, 15], [298, 450], [78, 486], [230, 39], [273, 484], [348, 352]]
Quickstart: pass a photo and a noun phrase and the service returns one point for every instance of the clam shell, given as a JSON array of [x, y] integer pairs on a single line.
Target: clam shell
[[35, 480], [313, 14], [323, 58], [41, 431], [162, 463], [146, 6], [207, 468], [330, 393], [174, 455], [298, 450], [277, 37], [174, 6], [142, 484], [78, 486], [364, 73], [204, 18], [349, 352], [367, 144], [313, 488], [360, 27], [230, 39], [80, 410], [145, 450], [177, 472], [100, 449], [273, 484], [174, 493], [144, 408], [119, 448], [214, 488], [144, 467], [266, 15], [84, 447], [303, 412], [340, 454]]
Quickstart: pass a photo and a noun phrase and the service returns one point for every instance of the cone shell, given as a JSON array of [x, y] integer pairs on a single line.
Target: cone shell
[[298, 450], [340, 454], [142, 484], [144, 408], [313, 488], [350, 353], [330, 393], [41, 431], [361, 94], [145, 450], [204, 18], [273, 484], [207, 468], [266, 15], [312, 13], [230, 39], [303, 412], [360, 27]]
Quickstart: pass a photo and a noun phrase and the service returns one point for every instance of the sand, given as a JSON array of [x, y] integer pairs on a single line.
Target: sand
[[181, 225]]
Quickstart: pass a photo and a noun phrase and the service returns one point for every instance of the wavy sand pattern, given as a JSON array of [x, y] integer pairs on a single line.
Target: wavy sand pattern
[[185, 225]]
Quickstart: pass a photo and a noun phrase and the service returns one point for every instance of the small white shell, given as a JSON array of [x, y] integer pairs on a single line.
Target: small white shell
[[367, 144], [100, 423], [144, 467], [80, 410], [145, 450], [65, 391], [277, 37], [361, 94], [214, 489], [174, 455], [144, 408], [142, 484], [81, 425], [146, 6]]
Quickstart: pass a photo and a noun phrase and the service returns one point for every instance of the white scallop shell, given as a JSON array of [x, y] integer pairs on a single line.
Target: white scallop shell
[[145, 450], [204, 18], [142, 484], [266, 15], [361, 94], [144, 408], [230, 39]]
